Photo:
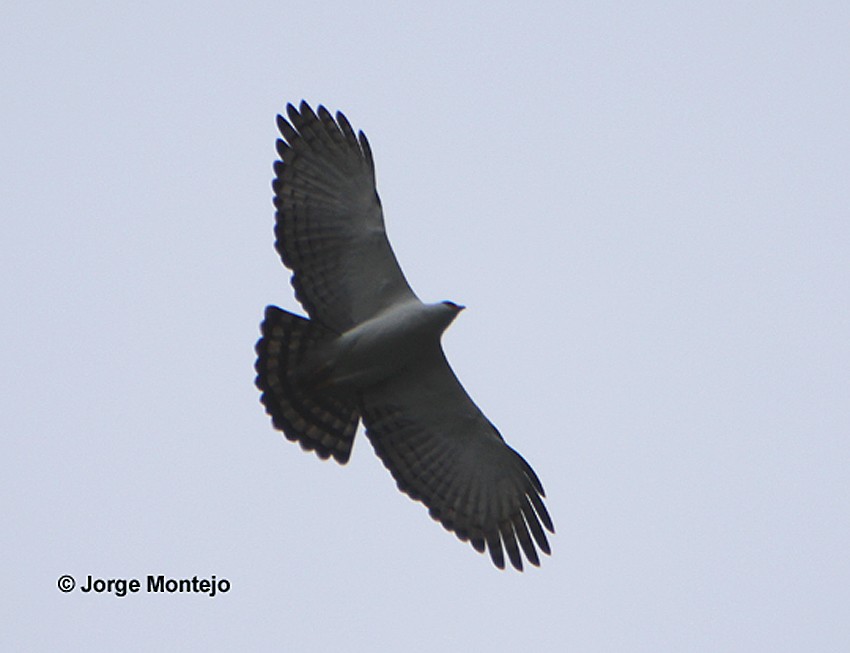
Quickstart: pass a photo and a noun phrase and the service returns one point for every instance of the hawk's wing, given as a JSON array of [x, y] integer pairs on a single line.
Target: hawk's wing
[[329, 223], [443, 451]]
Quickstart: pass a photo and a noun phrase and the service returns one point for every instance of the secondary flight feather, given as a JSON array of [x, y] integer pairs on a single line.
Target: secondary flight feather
[[370, 351]]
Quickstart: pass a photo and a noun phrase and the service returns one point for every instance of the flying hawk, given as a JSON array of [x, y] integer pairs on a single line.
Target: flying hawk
[[371, 351]]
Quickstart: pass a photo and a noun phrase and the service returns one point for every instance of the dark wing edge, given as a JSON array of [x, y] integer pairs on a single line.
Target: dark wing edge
[[458, 465], [329, 223]]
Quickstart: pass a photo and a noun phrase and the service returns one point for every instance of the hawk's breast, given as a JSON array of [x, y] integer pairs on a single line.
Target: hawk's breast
[[383, 346]]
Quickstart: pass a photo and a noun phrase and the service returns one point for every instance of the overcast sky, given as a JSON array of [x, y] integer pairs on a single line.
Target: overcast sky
[[645, 208]]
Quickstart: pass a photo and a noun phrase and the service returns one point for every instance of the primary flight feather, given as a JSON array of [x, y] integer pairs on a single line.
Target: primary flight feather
[[371, 351]]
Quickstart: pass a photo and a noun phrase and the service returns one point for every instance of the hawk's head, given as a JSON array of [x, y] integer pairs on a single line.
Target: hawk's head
[[456, 308]]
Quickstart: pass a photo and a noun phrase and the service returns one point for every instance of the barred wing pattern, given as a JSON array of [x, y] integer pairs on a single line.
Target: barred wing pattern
[[329, 223], [434, 440], [443, 451]]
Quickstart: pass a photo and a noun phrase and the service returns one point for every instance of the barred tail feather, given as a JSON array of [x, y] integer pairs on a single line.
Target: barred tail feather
[[318, 422]]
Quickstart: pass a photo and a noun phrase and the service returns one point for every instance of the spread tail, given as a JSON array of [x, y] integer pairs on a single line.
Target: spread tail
[[318, 421]]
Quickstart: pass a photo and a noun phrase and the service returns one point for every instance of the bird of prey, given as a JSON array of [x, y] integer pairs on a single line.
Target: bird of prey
[[371, 351]]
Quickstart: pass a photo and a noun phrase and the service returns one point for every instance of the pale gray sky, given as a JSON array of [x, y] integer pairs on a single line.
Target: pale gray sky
[[646, 209]]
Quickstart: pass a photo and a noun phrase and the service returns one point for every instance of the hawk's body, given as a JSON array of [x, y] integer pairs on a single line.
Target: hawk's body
[[371, 351]]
